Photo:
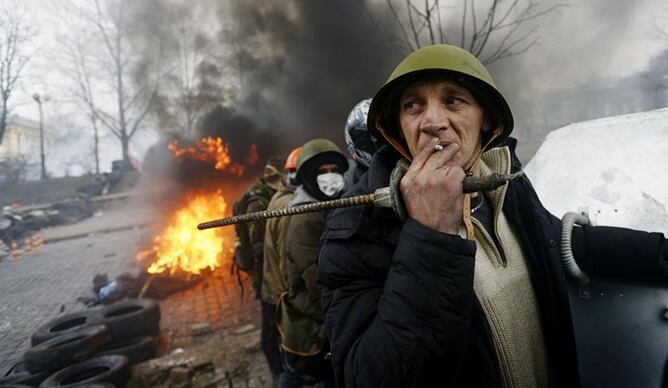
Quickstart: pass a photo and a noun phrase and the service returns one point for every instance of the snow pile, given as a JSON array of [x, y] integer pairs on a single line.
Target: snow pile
[[615, 168]]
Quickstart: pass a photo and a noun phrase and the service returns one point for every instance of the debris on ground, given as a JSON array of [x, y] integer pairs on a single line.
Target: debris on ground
[[154, 286], [124, 286], [198, 329], [225, 360], [254, 345], [244, 329]]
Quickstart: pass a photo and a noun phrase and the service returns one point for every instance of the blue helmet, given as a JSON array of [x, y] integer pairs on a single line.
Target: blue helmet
[[359, 141]]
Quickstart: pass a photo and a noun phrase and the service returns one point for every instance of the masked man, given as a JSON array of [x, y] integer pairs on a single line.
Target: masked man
[[320, 169], [468, 290]]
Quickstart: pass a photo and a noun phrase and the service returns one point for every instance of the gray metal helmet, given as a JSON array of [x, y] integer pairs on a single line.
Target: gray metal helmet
[[360, 143]]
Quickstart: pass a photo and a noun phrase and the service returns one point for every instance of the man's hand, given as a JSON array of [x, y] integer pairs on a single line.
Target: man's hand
[[432, 189]]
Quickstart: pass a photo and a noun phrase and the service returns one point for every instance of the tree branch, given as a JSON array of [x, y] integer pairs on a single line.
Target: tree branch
[[463, 33], [443, 37], [475, 25], [143, 114], [529, 16], [492, 13], [398, 20], [416, 35], [428, 18], [504, 51], [15, 33]]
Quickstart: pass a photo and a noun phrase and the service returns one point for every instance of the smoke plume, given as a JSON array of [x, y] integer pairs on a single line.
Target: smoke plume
[[291, 70]]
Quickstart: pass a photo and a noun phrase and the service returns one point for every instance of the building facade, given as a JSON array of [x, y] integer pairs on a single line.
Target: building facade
[[20, 149]]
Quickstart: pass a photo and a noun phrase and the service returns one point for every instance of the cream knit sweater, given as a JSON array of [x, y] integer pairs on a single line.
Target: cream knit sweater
[[501, 282]]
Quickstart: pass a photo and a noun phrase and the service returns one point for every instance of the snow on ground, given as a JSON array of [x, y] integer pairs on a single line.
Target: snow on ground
[[616, 168]]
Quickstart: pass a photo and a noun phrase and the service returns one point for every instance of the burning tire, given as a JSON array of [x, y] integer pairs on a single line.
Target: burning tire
[[103, 369], [130, 318], [19, 374], [66, 349], [136, 350], [64, 324]]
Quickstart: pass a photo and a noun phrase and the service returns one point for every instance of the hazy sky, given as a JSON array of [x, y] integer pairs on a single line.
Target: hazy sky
[[592, 39], [588, 41]]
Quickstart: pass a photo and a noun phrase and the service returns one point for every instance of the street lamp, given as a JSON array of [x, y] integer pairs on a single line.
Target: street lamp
[[38, 99]]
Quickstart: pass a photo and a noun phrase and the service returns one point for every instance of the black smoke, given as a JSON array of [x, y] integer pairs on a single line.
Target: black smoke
[[314, 62], [290, 71]]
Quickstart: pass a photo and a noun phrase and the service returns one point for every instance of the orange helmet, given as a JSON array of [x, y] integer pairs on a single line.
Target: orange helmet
[[291, 161]]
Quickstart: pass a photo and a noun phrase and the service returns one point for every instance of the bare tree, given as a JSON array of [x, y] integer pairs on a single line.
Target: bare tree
[[189, 56], [105, 67], [192, 85], [15, 34], [76, 68], [491, 31]]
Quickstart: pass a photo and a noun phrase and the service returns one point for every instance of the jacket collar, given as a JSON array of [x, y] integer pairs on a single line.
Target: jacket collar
[[496, 160], [301, 197]]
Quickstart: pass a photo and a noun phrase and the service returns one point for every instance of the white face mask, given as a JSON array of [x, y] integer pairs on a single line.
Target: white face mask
[[331, 183]]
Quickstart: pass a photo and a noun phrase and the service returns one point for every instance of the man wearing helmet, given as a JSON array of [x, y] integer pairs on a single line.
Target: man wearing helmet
[[468, 291], [320, 166], [290, 169], [273, 280], [249, 250], [359, 142]]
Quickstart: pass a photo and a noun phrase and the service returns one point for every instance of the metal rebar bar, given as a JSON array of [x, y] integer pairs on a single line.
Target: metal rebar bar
[[357, 200], [382, 197]]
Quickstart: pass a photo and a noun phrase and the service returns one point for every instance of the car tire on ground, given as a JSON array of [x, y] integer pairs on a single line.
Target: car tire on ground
[[136, 349], [103, 369], [19, 374], [66, 349], [130, 318], [61, 325]]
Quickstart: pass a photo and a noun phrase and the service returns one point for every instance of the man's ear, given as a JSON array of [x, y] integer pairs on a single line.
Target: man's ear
[[488, 124]]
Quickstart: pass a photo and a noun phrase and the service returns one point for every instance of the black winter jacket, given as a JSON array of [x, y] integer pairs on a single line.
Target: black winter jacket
[[399, 300]]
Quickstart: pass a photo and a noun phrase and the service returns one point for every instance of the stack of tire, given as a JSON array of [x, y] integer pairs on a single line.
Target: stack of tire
[[89, 348]]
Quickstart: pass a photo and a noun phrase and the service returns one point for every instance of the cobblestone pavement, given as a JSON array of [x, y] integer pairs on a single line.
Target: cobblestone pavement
[[216, 302], [40, 286], [226, 353]]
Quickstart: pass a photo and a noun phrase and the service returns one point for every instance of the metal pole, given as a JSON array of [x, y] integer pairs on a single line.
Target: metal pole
[[41, 140], [384, 197], [38, 99]]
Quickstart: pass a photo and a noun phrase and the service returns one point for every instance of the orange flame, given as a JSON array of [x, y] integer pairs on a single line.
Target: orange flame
[[214, 151], [181, 246], [253, 156]]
